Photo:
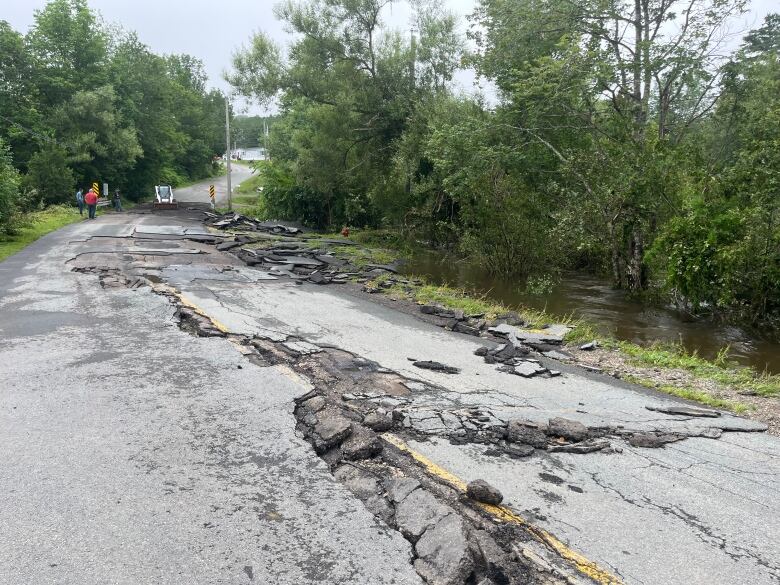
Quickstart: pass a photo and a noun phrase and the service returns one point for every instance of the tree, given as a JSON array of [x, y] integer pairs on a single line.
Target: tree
[[348, 88], [70, 48], [723, 251], [630, 78], [9, 191], [49, 180], [19, 117], [104, 146]]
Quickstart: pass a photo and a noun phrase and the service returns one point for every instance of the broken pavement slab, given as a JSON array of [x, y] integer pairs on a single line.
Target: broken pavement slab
[[553, 334], [681, 410], [418, 512], [346, 322], [443, 553]]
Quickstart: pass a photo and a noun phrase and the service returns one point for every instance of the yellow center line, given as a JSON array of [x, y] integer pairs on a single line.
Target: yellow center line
[[583, 564], [169, 290]]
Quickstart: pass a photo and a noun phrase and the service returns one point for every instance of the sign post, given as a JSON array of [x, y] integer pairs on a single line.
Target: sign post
[[212, 196]]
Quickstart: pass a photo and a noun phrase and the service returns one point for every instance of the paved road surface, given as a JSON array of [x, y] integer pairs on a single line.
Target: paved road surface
[[700, 511], [199, 192], [133, 452]]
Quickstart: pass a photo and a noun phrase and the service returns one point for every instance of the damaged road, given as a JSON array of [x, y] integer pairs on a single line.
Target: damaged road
[[470, 458]]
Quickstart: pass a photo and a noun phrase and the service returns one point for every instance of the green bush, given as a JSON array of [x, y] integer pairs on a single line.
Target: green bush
[[9, 192], [49, 179]]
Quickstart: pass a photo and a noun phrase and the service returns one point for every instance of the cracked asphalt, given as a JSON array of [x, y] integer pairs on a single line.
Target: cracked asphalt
[[133, 452], [137, 453], [698, 511]]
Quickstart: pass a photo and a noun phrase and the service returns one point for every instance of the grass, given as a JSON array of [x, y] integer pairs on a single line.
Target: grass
[[246, 198], [35, 225], [359, 256], [674, 356], [692, 394], [471, 304]]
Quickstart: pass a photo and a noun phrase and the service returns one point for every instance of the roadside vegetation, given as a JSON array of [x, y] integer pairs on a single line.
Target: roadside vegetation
[[35, 225], [616, 145], [246, 198], [83, 101]]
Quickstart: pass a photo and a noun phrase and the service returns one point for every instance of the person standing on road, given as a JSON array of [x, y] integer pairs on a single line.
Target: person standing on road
[[80, 201], [117, 201], [91, 200]]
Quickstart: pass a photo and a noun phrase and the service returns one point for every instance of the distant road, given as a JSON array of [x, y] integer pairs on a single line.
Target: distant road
[[199, 192]]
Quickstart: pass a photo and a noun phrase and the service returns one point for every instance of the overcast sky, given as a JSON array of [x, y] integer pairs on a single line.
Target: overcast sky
[[212, 30]]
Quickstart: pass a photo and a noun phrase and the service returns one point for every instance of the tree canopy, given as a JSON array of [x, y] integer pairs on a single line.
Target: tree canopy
[[626, 139], [84, 101]]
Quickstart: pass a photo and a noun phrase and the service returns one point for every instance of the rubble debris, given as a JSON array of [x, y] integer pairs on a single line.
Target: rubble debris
[[552, 334], [524, 368], [503, 353], [315, 404], [436, 367], [587, 446], [568, 429], [233, 220], [517, 449], [225, 246], [330, 432], [685, 411], [653, 440], [378, 422], [399, 488], [319, 278], [361, 444], [491, 557], [589, 346], [456, 319], [441, 311], [561, 356], [482, 491], [526, 432], [443, 555], [460, 327], [509, 318], [419, 511]]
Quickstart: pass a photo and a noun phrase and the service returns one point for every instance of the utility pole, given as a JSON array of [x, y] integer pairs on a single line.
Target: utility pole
[[227, 142], [265, 140]]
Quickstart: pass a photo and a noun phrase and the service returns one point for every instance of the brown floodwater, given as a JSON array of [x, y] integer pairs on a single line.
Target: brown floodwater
[[611, 310]]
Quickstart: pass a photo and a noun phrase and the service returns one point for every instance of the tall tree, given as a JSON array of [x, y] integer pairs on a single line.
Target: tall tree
[[358, 82], [630, 77], [70, 48]]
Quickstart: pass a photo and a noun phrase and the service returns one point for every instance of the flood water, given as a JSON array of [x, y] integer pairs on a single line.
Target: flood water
[[611, 310]]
